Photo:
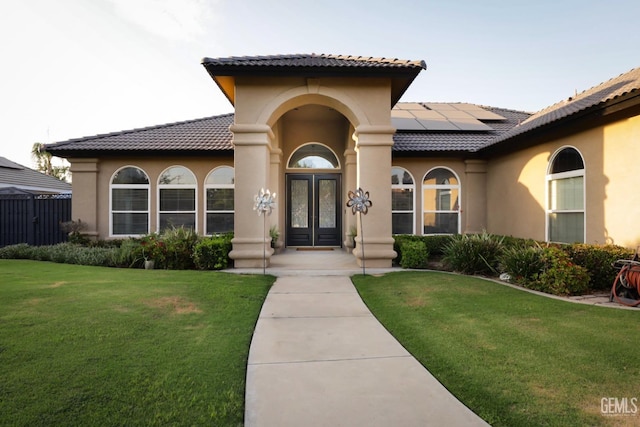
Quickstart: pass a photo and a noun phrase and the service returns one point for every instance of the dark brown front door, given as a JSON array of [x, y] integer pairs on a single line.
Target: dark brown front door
[[313, 210]]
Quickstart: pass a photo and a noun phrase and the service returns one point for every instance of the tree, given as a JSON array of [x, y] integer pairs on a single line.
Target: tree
[[44, 163]]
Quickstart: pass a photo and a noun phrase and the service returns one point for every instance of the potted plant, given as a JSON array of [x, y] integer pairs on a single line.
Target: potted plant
[[353, 232], [275, 235]]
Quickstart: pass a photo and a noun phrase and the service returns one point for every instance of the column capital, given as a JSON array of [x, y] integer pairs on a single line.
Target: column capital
[[379, 135], [475, 166], [251, 134]]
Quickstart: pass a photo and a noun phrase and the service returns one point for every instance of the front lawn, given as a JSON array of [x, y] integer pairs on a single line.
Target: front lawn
[[516, 359], [91, 346]]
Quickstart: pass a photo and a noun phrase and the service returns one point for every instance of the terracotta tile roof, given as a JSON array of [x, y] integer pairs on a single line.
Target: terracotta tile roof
[[312, 61], [207, 134], [595, 97], [458, 141]]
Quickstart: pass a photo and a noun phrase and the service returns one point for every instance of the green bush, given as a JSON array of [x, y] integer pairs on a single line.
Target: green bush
[[19, 251], [523, 264], [560, 276], [434, 244], [414, 254], [399, 240], [213, 253], [597, 259], [519, 242], [179, 243], [473, 253]]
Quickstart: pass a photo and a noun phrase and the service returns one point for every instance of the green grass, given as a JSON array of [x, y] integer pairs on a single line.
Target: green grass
[[514, 358], [90, 346]]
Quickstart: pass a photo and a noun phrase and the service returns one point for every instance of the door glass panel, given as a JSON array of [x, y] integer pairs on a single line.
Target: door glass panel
[[327, 203], [299, 203]]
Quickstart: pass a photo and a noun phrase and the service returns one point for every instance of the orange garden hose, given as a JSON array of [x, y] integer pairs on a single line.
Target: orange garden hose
[[628, 277]]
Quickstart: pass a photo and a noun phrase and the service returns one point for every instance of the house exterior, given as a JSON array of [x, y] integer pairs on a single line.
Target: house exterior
[[311, 128]]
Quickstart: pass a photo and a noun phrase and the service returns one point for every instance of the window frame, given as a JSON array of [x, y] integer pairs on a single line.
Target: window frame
[[113, 186], [180, 187], [550, 177], [222, 186], [411, 187], [457, 186], [293, 153]]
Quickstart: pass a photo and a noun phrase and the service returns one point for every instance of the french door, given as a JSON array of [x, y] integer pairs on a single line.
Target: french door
[[313, 210]]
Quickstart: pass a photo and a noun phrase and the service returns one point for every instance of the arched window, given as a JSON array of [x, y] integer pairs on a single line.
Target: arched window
[[565, 203], [313, 156], [219, 188], [177, 198], [441, 202], [129, 202], [402, 201]]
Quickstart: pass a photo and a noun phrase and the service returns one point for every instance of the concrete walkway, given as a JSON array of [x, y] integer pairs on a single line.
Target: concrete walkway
[[319, 358]]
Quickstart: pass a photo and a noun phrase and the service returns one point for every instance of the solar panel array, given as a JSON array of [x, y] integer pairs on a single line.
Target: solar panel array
[[437, 116]]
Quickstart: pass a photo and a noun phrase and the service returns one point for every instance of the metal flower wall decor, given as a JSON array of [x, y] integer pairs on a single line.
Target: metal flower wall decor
[[265, 202], [359, 201]]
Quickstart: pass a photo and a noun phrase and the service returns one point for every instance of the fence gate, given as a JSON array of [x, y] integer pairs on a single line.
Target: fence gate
[[32, 218]]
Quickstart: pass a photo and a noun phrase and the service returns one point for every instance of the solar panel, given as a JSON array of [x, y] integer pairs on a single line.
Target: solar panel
[[435, 124], [440, 116], [406, 124], [470, 124]]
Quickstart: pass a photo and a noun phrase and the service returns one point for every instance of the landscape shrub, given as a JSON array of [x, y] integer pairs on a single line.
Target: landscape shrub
[[519, 242], [213, 253], [560, 276], [179, 243], [522, 264], [399, 240], [473, 253], [598, 260], [414, 254], [434, 244], [18, 251], [152, 248]]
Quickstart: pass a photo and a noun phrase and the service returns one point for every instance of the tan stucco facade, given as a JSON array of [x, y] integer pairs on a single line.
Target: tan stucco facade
[[504, 192], [275, 116], [92, 180], [516, 185]]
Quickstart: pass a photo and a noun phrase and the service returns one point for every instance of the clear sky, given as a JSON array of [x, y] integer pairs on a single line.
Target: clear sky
[[72, 68]]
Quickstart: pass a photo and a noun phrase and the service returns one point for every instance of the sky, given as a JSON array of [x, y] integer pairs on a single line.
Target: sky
[[74, 68]]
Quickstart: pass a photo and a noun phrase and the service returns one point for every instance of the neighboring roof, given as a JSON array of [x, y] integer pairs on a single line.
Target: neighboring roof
[[620, 88], [15, 175], [224, 70], [209, 134], [458, 141]]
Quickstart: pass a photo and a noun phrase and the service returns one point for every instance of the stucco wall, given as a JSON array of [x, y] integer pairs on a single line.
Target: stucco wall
[[516, 186], [153, 167]]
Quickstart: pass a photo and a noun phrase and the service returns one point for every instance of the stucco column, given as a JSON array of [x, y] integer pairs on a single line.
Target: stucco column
[[350, 184], [84, 203], [373, 146], [276, 185], [476, 196], [252, 163]]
